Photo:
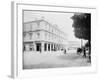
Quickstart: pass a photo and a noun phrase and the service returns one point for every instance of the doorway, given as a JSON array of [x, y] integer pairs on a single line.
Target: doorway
[[38, 47]]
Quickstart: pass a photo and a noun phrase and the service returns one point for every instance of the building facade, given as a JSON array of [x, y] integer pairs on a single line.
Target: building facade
[[41, 36], [74, 45]]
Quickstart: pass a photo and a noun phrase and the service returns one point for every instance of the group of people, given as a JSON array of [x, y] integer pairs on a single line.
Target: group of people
[[80, 50], [85, 51], [85, 54]]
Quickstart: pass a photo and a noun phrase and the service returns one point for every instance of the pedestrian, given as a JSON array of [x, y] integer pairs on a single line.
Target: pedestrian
[[84, 52], [64, 51], [79, 50]]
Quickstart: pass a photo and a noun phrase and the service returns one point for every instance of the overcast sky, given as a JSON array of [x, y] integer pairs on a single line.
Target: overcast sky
[[63, 20]]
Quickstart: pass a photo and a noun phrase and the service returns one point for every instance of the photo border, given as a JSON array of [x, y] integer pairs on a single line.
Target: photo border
[[16, 69]]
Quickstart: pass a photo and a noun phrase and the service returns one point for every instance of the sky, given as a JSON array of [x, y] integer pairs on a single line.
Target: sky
[[62, 20]]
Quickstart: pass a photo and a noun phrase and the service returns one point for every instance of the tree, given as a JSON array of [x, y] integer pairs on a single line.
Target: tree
[[82, 27]]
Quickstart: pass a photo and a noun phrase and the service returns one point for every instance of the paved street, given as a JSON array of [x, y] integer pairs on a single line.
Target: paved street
[[52, 60]]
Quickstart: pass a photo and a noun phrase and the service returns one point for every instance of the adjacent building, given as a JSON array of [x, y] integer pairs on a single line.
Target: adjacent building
[[42, 36], [74, 45]]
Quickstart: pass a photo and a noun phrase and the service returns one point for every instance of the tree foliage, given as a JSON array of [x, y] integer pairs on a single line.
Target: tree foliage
[[82, 25], [82, 28]]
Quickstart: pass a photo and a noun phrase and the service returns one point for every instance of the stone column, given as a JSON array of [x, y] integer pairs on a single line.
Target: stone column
[[47, 46], [50, 47], [27, 47], [57, 47], [53, 47], [34, 46], [42, 46]]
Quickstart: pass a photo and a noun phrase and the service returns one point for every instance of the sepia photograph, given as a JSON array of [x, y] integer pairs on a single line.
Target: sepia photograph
[[56, 39]]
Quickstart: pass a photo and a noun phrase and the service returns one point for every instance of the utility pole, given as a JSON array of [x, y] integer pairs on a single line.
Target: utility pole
[[81, 43]]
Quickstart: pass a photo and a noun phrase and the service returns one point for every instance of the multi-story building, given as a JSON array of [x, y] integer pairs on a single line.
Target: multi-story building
[[74, 44], [40, 35]]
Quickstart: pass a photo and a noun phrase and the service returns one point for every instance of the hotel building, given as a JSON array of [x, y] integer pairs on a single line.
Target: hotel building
[[41, 36]]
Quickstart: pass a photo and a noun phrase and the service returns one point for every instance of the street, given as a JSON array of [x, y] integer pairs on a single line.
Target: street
[[53, 60]]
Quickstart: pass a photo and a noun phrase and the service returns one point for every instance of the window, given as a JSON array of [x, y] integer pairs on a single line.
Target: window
[[52, 30], [45, 35], [30, 35], [38, 35], [27, 37], [27, 27], [24, 35], [34, 26], [42, 24], [24, 28]]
